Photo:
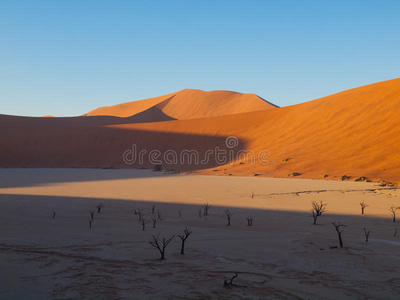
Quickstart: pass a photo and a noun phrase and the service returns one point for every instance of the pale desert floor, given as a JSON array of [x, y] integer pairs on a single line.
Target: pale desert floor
[[282, 256]]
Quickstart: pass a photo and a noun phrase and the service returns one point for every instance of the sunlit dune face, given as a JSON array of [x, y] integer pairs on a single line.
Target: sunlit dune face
[[189, 104], [352, 135]]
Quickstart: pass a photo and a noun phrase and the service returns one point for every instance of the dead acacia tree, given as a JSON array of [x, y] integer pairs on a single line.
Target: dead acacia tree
[[230, 283], [179, 213], [363, 206], [200, 211], [317, 209], [228, 215], [54, 213], [161, 245], [99, 207], [337, 228], [250, 220], [91, 214], [393, 212], [144, 222], [184, 237], [395, 232], [159, 214], [90, 223], [153, 208], [206, 207], [140, 215], [154, 219], [366, 234]]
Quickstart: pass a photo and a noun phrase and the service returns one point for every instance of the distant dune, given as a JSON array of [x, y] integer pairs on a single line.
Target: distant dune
[[354, 133], [187, 104]]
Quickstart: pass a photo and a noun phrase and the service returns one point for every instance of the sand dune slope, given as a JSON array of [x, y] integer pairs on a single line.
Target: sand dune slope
[[189, 104], [352, 133]]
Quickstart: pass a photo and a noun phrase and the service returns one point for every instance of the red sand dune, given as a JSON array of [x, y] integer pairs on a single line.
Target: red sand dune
[[188, 104], [355, 133]]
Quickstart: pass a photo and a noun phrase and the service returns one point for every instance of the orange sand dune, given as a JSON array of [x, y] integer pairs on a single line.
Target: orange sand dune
[[188, 104], [351, 133]]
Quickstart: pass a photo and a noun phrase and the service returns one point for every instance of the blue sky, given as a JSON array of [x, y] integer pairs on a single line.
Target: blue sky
[[65, 58]]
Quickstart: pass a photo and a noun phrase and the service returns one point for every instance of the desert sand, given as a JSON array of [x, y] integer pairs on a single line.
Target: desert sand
[[342, 149], [353, 133], [188, 104], [281, 256]]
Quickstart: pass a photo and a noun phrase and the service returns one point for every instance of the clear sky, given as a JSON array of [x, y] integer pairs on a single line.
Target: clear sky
[[66, 58]]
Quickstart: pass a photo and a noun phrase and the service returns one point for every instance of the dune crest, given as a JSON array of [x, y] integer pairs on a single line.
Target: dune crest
[[189, 104]]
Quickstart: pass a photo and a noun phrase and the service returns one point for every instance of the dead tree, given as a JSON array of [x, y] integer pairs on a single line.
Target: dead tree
[[206, 207], [228, 215], [230, 283], [363, 206], [135, 211], [140, 215], [91, 214], [54, 213], [144, 222], [179, 213], [393, 212], [317, 209], [154, 219], [200, 210], [153, 208], [99, 207], [90, 223], [159, 215], [250, 220], [184, 237], [337, 228], [161, 245], [366, 234], [395, 232]]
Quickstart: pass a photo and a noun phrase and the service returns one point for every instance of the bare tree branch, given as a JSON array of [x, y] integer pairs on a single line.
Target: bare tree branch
[[206, 207], [230, 283], [337, 228], [317, 209], [363, 206], [366, 234], [250, 220], [161, 245], [228, 215], [154, 219], [184, 237], [144, 222], [99, 207]]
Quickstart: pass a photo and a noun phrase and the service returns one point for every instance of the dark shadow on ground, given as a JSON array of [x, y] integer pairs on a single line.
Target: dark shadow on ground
[[281, 256]]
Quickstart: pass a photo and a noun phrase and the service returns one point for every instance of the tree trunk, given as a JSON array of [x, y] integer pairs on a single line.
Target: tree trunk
[[183, 247], [340, 241]]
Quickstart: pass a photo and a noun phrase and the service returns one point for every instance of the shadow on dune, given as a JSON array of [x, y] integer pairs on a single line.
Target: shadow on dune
[[77, 142], [105, 148]]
